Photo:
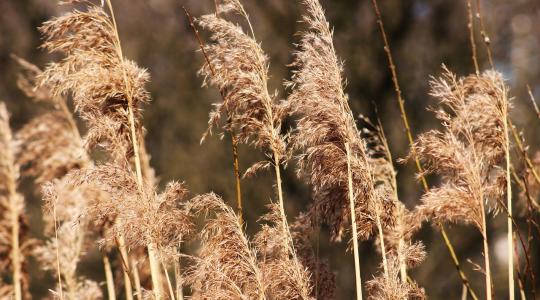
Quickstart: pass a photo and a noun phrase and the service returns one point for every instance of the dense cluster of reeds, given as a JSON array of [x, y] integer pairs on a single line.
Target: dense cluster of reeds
[[100, 192]]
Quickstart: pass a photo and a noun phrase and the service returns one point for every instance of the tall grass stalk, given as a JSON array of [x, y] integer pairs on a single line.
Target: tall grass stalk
[[169, 282], [11, 201], [234, 140], [124, 256], [489, 293], [470, 26], [408, 131], [109, 277], [58, 271], [510, 240], [358, 278], [137, 280], [401, 242], [178, 277], [15, 251], [486, 40], [152, 248]]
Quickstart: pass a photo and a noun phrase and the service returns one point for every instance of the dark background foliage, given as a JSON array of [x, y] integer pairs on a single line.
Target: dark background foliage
[[423, 34]]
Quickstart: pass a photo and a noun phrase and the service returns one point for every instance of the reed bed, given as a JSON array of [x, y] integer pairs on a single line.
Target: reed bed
[[85, 154]]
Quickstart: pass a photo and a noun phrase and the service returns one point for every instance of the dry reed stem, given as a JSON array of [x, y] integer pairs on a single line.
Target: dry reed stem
[[484, 34], [470, 26], [383, 248], [525, 248], [236, 167], [169, 282], [152, 249], [401, 242], [403, 113], [15, 251], [137, 280], [178, 277], [358, 279], [489, 293], [510, 240], [109, 276], [58, 272], [238, 66], [533, 101], [13, 208], [124, 256], [234, 140]]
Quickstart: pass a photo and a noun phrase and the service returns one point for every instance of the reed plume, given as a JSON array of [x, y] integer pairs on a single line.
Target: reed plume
[[64, 207], [324, 126], [139, 217], [226, 267], [49, 147], [322, 279], [285, 278], [392, 288], [401, 222], [333, 155], [468, 153], [15, 245], [108, 92], [99, 81], [238, 67]]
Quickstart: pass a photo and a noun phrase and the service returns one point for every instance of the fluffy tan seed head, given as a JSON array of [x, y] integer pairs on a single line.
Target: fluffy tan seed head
[[226, 267], [469, 152], [324, 126], [238, 67], [286, 278], [101, 82]]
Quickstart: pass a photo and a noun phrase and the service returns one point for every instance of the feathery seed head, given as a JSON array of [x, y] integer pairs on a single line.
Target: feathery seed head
[[286, 277], [103, 84], [226, 267], [325, 126], [238, 67], [470, 151]]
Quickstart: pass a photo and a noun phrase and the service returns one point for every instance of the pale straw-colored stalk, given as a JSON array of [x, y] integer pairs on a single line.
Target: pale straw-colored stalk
[[152, 248], [358, 278], [401, 103], [109, 277]]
